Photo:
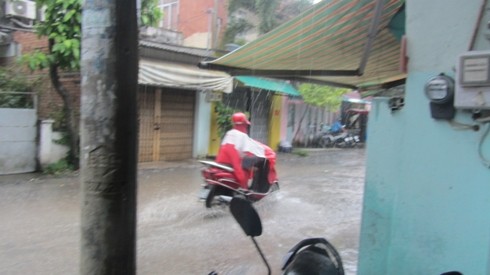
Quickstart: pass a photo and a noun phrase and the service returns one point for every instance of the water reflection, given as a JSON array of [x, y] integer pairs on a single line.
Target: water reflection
[[320, 196]]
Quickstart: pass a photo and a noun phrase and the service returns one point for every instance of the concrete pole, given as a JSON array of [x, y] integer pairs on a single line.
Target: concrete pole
[[214, 28], [109, 131]]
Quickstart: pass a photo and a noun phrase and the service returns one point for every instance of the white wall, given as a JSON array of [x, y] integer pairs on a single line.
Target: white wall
[[49, 150]]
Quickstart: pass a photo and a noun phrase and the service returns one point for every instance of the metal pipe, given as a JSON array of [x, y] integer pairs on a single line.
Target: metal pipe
[[477, 26], [373, 31]]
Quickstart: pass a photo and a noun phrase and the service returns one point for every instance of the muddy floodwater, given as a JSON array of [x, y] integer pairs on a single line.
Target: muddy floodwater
[[320, 196]]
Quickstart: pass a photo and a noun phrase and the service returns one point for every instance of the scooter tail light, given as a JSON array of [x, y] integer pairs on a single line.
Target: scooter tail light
[[206, 173]]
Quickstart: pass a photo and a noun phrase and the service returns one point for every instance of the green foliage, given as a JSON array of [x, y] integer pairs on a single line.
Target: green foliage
[[59, 117], [265, 9], [271, 14], [62, 26], [64, 140], [15, 90], [13, 81], [151, 14], [299, 152], [322, 96], [234, 5], [235, 27], [291, 9], [223, 118], [11, 100], [59, 167]]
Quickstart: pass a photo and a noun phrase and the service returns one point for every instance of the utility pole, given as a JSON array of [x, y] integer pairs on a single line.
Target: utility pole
[[214, 29], [109, 135], [212, 26]]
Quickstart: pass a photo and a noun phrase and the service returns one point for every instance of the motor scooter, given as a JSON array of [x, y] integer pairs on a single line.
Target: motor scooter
[[331, 139], [309, 257], [342, 139], [348, 140], [220, 184]]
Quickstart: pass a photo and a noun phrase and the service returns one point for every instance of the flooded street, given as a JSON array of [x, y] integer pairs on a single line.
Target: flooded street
[[320, 196]]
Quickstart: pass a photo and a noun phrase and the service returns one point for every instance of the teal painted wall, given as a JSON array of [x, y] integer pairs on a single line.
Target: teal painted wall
[[427, 195]]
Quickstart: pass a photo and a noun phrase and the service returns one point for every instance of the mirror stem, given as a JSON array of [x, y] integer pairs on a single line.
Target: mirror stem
[[262, 255]]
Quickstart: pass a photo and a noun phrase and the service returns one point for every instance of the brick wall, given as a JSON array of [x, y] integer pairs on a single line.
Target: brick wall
[[29, 41], [50, 103], [194, 17]]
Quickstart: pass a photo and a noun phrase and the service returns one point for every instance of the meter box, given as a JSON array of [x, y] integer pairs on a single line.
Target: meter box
[[473, 81]]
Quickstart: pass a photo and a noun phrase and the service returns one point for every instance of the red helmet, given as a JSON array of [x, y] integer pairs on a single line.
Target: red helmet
[[239, 118]]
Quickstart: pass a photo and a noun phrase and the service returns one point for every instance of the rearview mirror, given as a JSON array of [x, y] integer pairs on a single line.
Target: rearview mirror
[[246, 215]]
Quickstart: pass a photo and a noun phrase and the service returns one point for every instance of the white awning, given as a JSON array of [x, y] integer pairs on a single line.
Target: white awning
[[169, 74]]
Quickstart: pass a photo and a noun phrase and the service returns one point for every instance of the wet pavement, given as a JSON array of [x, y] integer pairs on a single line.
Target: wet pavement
[[320, 196]]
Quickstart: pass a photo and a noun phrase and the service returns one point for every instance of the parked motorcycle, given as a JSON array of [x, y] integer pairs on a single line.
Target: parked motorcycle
[[343, 139], [309, 257], [348, 140], [220, 184], [331, 139]]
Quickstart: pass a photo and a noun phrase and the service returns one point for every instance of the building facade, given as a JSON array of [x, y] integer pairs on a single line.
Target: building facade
[[427, 182]]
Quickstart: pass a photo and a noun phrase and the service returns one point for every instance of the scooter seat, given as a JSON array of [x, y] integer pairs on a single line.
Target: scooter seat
[[217, 173], [225, 175]]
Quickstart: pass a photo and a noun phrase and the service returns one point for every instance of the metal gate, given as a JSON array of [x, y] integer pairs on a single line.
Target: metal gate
[[259, 112], [17, 135], [258, 103], [166, 124]]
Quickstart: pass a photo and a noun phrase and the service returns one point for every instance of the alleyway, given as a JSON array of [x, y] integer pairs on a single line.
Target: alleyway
[[320, 196]]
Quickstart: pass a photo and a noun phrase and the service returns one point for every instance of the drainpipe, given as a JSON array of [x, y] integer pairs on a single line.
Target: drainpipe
[[373, 31]]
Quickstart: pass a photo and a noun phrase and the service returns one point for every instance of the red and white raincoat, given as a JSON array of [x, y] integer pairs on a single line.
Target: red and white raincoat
[[234, 147]]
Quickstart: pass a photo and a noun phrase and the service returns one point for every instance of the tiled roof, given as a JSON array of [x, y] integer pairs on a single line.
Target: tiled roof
[[205, 53]]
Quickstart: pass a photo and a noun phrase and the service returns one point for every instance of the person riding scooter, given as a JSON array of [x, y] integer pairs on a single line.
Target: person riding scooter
[[243, 153]]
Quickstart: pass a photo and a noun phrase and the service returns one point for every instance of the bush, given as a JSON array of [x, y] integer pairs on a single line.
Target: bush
[[15, 90], [299, 152], [59, 167]]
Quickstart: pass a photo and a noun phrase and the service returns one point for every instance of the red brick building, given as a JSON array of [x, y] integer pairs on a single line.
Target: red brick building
[[201, 24], [195, 24]]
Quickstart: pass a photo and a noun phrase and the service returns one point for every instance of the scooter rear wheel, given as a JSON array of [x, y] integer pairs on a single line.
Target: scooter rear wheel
[[210, 197], [274, 187], [325, 142]]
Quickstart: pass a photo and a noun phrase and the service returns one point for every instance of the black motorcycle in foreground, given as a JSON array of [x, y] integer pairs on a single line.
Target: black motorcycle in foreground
[[313, 256], [310, 256]]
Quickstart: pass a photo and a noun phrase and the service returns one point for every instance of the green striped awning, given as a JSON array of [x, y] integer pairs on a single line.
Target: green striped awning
[[339, 42], [269, 84]]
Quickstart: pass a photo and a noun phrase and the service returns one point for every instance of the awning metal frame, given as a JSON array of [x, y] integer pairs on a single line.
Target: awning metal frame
[[235, 71], [315, 75]]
